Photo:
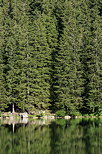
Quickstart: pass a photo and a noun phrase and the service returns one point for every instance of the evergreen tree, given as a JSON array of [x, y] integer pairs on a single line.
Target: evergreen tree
[[69, 71], [41, 57], [2, 79], [49, 9], [6, 47], [51, 55], [92, 52], [58, 13], [95, 96], [22, 55], [15, 52]]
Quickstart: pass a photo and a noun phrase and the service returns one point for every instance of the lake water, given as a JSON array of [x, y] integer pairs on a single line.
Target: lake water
[[76, 136]]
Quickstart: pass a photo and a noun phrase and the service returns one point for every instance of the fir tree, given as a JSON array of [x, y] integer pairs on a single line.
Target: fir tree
[[7, 44], [68, 66], [92, 48], [41, 58], [2, 79]]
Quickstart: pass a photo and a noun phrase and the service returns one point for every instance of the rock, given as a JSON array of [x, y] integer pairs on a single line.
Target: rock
[[24, 115], [24, 120], [45, 117], [51, 117], [67, 117], [35, 117]]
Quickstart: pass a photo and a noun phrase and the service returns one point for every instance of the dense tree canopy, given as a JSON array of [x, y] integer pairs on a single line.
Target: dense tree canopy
[[51, 55]]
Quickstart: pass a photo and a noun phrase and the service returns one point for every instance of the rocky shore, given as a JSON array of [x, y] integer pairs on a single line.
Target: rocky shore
[[25, 115]]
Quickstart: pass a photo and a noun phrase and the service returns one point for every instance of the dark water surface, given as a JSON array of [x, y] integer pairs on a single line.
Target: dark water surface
[[76, 136]]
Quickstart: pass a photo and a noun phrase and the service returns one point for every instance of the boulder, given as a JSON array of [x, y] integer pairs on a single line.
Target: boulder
[[67, 117], [24, 115], [51, 117]]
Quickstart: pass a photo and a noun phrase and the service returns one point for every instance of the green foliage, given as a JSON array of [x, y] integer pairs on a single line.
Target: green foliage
[[31, 116], [61, 122], [51, 56], [60, 113], [75, 113], [40, 115], [69, 83]]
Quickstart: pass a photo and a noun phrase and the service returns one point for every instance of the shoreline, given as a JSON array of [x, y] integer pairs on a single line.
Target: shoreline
[[15, 115]]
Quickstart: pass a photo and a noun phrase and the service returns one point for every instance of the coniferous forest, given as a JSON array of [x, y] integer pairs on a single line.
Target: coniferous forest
[[51, 55]]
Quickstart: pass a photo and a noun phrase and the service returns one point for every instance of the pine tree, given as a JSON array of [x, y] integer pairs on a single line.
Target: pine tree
[[2, 79], [22, 54], [69, 71], [92, 49], [49, 9], [7, 39], [40, 58], [51, 55], [15, 51], [95, 62], [58, 13]]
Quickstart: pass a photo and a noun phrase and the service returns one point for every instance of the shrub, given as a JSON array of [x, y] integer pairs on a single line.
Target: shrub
[[60, 113], [92, 114], [75, 113], [40, 115]]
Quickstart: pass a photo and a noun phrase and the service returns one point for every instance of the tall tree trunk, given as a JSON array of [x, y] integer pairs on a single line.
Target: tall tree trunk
[[13, 109]]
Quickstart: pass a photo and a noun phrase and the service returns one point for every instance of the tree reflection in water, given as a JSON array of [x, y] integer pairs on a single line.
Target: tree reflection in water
[[82, 136]]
